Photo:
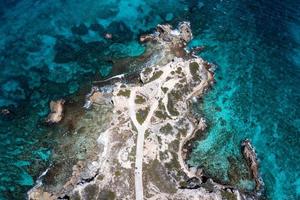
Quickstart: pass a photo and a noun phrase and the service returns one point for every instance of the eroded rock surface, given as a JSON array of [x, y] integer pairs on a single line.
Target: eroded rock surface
[[251, 159], [56, 111]]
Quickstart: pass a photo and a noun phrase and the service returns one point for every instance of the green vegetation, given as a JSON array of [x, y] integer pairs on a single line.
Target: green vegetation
[[177, 94], [163, 155], [133, 127], [161, 105], [182, 131], [183, 184], [156, 75], [161, 114], [179, 70], [75, 196], [175, 167], [166, 128], [139, 99], [156, 174], [159, 139], [91, 191], [228, 195], [147, 133], [183, 80], [141, 115], [100, 177], [164, 89], [171, 107], [147, 71], [117, 173], [125, 93], [174, 146], [194, 68], [132, 154], [173, 164], [107, 195]]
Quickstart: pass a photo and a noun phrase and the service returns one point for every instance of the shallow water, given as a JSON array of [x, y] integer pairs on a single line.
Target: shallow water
[[51, 49], [256, 95]]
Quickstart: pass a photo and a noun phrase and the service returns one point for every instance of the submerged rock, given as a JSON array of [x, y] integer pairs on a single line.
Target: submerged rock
[[12, 89], [169, 17], [64, 51], [56, 114], [97, 28], [81, 29], [119, 32], [6, 114]]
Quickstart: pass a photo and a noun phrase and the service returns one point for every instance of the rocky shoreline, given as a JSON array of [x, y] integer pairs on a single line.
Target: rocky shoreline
[[140, 149]]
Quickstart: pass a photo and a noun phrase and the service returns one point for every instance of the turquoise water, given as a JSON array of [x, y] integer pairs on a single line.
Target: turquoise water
[[256, 48], [53, 49]]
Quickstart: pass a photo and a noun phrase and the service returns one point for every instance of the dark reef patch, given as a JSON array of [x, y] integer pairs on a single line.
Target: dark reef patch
[[120, 32], [80, 29]]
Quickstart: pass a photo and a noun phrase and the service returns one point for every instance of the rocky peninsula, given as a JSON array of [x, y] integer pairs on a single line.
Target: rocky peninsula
[[135, 132]]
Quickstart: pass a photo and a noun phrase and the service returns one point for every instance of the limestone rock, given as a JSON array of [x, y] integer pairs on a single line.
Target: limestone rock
[[251, 158], [56, 114], [166, 34], [38, 194]]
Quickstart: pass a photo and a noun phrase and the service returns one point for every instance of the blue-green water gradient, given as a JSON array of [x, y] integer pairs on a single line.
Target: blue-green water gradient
[[51, 49]]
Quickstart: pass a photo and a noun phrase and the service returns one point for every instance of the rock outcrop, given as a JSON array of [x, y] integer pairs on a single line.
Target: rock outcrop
[[56, 111], [250, 156], [164, 33]]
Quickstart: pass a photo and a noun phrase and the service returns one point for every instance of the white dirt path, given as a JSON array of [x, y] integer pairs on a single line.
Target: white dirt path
[[141, 129]]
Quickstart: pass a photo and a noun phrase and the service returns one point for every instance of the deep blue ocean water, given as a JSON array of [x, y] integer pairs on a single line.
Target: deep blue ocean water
[[52, 49]]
